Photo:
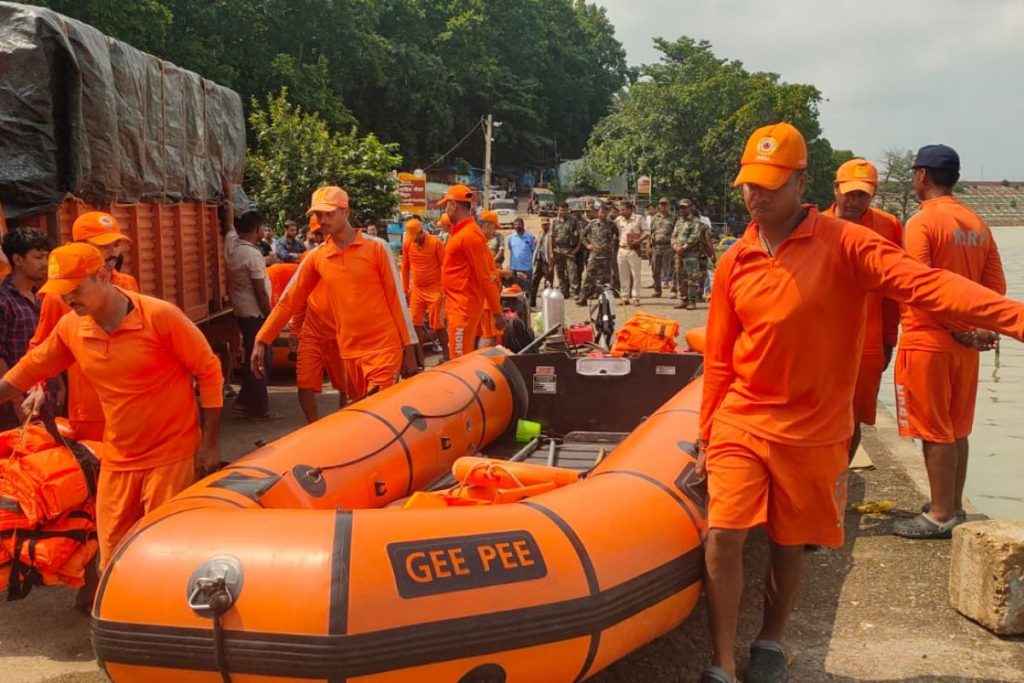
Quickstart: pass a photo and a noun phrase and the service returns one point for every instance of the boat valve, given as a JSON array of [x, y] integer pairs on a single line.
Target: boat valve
[[214, 586]]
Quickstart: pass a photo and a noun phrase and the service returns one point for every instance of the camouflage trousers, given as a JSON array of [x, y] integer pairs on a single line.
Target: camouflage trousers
[[688, 278], [567, 274], [599, 273], [582, 257], [661, 265]]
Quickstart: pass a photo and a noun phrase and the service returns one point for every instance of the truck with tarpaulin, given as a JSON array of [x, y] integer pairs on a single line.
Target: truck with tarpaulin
[[93, 124]]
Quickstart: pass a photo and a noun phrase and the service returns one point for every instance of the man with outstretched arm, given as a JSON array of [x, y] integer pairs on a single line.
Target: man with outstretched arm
[[140, 354], [375, 333], [783, 348]]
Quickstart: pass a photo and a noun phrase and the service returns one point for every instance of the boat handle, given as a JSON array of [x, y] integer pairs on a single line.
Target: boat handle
[[218, 596]]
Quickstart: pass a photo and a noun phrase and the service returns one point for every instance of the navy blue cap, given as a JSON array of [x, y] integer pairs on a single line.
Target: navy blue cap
[[938, 157]]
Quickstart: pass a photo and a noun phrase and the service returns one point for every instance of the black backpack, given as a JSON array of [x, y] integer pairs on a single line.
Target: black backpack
[[517, 335]]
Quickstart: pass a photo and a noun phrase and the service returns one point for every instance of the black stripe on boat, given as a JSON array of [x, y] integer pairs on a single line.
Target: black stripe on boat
[[348, 656], [399, 438], [341, 557], [651, 480]]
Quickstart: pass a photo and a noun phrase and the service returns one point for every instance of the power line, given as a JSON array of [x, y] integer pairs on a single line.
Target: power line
[[464, 138]]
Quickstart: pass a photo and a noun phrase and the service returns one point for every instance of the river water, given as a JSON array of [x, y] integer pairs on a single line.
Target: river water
[[995, 478]]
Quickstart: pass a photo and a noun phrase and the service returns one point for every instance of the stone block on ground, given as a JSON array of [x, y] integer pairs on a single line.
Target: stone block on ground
[[986, 574]]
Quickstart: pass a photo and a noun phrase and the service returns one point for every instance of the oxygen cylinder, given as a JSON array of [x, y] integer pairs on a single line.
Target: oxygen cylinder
[[552, 306]]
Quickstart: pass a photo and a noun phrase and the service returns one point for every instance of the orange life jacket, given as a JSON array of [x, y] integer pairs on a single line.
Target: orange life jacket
[[54, 553], [49, 482], [645, 333]]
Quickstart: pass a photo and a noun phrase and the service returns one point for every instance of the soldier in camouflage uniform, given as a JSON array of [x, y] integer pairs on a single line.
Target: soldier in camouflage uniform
[[565, 232], [686, 242], [662, 226], [583, 218], [601, 239]]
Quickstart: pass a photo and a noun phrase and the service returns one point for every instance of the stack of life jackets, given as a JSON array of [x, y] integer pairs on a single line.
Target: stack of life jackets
[[47, 510], [645, 333]]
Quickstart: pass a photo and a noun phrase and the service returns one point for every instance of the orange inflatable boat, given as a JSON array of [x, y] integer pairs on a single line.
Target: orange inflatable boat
[[379, 544]]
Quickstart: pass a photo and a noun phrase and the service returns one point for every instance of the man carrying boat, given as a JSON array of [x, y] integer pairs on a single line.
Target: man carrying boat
[[937, 362], [422, 260], [776, 414], [375, 334], [468, 277], [140, 354], [854, 188]]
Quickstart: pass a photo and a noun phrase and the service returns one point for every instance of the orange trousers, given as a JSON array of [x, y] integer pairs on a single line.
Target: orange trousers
[[123, 497], [463, 330]]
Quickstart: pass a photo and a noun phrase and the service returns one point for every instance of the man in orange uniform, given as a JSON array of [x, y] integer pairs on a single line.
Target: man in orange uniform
[[469, 278], [779, 379], [316, 350], [937, 363], [488, 333], [422, 260], [854, 187], [101, 230], [140, 354], [364, 290]]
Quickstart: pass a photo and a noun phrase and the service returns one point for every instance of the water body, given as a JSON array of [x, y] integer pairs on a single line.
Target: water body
[[995, 478]]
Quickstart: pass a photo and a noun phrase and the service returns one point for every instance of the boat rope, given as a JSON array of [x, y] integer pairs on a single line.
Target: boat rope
[[491, 468], [410, 421]]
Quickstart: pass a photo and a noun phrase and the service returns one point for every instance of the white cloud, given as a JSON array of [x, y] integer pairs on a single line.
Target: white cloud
[[896, 73]]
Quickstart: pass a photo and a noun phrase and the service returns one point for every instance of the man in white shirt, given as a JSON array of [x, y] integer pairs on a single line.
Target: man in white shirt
[[632, 234], [249, 290]]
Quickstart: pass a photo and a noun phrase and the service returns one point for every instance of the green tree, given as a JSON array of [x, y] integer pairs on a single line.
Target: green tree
[[295, 152], [896, 182], [685, 120]]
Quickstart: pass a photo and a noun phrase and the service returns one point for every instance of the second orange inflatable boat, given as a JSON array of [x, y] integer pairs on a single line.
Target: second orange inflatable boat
[[343, 553]]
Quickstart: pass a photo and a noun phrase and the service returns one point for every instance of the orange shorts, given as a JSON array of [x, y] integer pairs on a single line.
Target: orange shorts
[[427, 302], [314, 356], [123, 497], [463, 331], [865, 395], [935, 394], [797, 492], [377, 370]]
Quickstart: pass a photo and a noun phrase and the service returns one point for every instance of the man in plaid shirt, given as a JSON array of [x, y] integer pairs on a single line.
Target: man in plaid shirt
[[26, 249]]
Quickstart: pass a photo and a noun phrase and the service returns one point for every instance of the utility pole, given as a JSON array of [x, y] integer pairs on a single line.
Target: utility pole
[[487, 162]]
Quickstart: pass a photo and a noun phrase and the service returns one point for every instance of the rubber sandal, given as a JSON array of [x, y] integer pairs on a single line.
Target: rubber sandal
[[924, 527], [767, 663], [715, 674], [960, 513]]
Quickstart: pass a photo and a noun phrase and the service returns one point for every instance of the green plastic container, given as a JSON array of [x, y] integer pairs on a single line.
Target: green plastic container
[[527, 430]]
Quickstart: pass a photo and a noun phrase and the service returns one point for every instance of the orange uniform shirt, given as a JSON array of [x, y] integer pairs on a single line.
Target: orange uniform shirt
[[468, 275], [784, 331], [363, 290], [948, 235], [83, 403], [882, 325], [142, 373], [422, 263], [280, 274]]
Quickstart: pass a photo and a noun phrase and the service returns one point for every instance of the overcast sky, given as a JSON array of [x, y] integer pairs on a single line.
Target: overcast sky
[[894, 73]]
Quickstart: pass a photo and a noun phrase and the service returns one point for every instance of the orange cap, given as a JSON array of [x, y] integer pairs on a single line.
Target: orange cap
[[69, 265], [98, 228], [489, 216], [328, 198], [444, 220], [457, 193], [857, 174], [413, 227], [314, 224], [771, 155]]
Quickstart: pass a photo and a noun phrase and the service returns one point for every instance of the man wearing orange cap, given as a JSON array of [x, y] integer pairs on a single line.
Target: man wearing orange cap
[[779, 379], [469, 278], [422, 260], [101, 230], [141, 355], [490, 226], [444, 227], [854, 187], [364, 290], [937, 362]]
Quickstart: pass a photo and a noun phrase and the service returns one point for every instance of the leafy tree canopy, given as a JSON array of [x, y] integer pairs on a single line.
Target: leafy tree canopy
[[684, 121]]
